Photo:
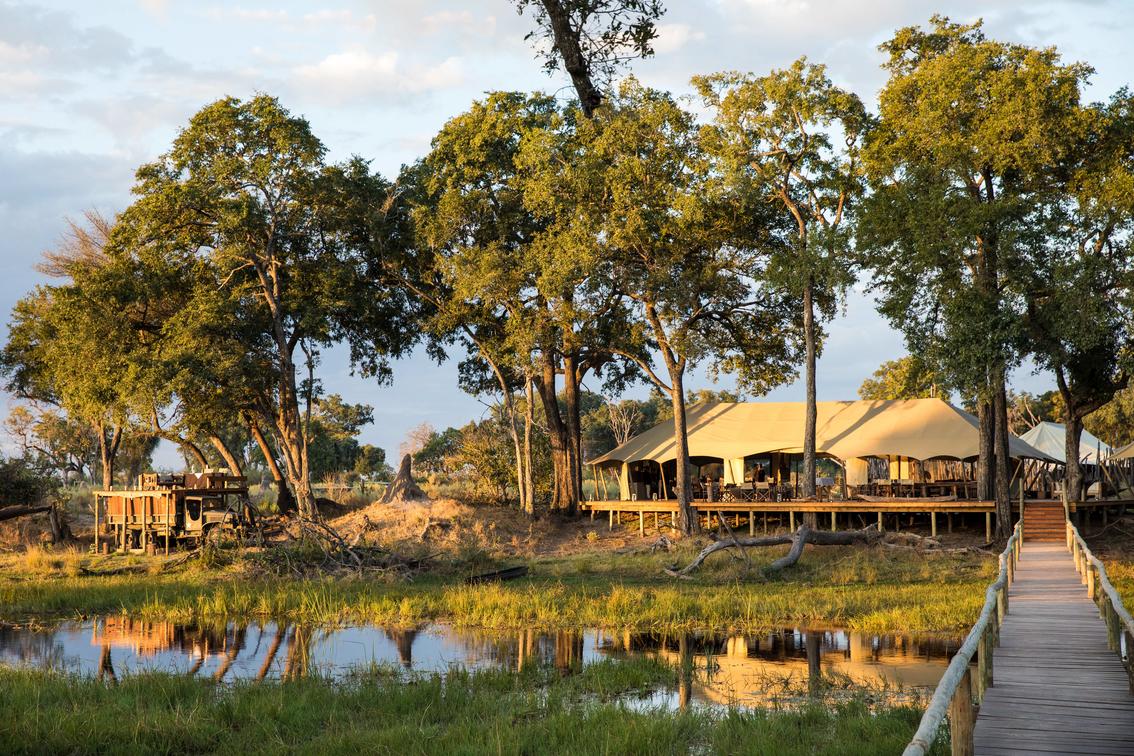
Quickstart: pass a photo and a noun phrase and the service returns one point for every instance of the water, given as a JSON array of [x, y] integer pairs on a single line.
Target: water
[[739, 670]]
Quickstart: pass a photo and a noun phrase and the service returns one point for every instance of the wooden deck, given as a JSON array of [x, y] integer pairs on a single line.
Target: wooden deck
[[1057, 688]]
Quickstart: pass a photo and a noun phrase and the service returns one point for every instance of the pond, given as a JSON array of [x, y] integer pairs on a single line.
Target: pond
[[736, 670]]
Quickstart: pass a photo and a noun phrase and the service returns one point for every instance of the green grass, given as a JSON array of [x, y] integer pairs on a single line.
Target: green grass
[[536, 711], [866, 589]]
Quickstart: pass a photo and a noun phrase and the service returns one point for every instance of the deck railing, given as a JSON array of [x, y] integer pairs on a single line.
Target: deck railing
[[954, 693], [1119, 623]]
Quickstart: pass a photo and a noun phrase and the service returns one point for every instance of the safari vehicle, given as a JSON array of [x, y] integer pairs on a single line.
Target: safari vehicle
[[166, 509]]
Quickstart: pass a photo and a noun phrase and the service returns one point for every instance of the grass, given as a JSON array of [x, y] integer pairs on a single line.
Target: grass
[[867, 589], [535, 711]]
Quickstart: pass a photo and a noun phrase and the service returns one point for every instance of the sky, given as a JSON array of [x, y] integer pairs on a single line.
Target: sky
[[91, 90]]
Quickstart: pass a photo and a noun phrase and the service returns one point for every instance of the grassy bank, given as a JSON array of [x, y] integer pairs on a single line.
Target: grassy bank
[[537, 711], [868, 589]]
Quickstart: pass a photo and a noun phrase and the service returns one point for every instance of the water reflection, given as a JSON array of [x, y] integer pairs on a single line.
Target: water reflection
[[732, 670]]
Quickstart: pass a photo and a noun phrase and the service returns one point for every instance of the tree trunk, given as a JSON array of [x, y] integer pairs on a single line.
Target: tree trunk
[[1073, 473], [985, 430], [1002, 460], [186, 446], [229, 458], [574, 430], [566, 40], [289, 436], [687, 520], [529, 422], [108, 452], [563, 489], [285, 502], [810, 414]]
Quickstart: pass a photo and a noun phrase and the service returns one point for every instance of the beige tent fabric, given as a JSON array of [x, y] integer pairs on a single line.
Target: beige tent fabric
[[1049, 439], [914, 428], [1125, 452]]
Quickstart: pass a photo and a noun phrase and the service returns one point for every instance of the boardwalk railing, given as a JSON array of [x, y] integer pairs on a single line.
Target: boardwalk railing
[[954, 693], [1119, 623]]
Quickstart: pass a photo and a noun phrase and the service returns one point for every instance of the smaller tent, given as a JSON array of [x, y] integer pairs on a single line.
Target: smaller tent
[[1049, 439]]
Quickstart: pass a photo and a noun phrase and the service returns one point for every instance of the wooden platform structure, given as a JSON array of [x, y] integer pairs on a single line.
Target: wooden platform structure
[[749, 510], [1057, 686], [1063, 677]]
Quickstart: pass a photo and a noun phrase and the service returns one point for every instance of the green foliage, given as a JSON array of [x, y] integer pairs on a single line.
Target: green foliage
[[332, 444], [637, 211], [371, 462], [434, 456], [1114, 421], [270, 254], [53, 440], [907, 377], [599, 708], [961, 163], [24, 483], [792, 139]]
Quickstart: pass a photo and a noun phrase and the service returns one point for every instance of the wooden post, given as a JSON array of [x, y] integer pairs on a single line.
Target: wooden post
[[1129, 657], [97, 501], [656, 526], [610, 512], [933, 524], [961, 718], [751, 523], [1090, 582], [880, 528], [791, 520], [988, 527], [984, 663], [833, 521], [641, 523], [949, 521], [1002, 599]]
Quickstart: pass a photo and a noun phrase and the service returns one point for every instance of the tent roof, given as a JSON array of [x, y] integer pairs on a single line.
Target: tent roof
[[914, 428], [1049, 439], [1124, 452]]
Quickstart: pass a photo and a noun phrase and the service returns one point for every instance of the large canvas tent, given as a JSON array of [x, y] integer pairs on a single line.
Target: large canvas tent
[[851, 431], [1049, 438]]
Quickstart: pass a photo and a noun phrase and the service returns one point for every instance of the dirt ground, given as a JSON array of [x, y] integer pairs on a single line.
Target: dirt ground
[[453, 527]]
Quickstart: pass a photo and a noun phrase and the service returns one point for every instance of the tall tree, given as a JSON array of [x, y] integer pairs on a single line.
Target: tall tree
[[593, 40], [1078, 292], [793, 138], [296, 253], [57, 352], [960, 165], [475, 234], [630, 191]]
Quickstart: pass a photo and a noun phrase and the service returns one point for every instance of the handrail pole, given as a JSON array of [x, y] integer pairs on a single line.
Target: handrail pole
[[979, 641]]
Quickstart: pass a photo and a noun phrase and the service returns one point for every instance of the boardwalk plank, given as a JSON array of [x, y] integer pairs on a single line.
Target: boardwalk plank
[[1057, 688]]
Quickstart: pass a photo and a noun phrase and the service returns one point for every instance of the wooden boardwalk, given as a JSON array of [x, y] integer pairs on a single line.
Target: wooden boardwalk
[[1057, 688]]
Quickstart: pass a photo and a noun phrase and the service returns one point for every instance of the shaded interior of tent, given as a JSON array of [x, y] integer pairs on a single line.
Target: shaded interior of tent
[[753, 451]]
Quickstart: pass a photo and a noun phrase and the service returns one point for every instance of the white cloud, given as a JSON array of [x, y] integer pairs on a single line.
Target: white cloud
[[354, 74], [248, 14], [673, 37]]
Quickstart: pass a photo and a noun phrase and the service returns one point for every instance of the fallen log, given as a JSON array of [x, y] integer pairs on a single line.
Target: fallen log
[[799, 540], [8, 513], [498, 576]]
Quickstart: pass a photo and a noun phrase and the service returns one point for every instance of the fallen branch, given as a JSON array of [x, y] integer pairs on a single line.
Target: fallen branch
[[799, 540], [8, 513]]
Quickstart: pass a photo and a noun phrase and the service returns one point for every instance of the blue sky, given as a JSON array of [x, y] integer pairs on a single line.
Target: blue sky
[[90, 90]]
